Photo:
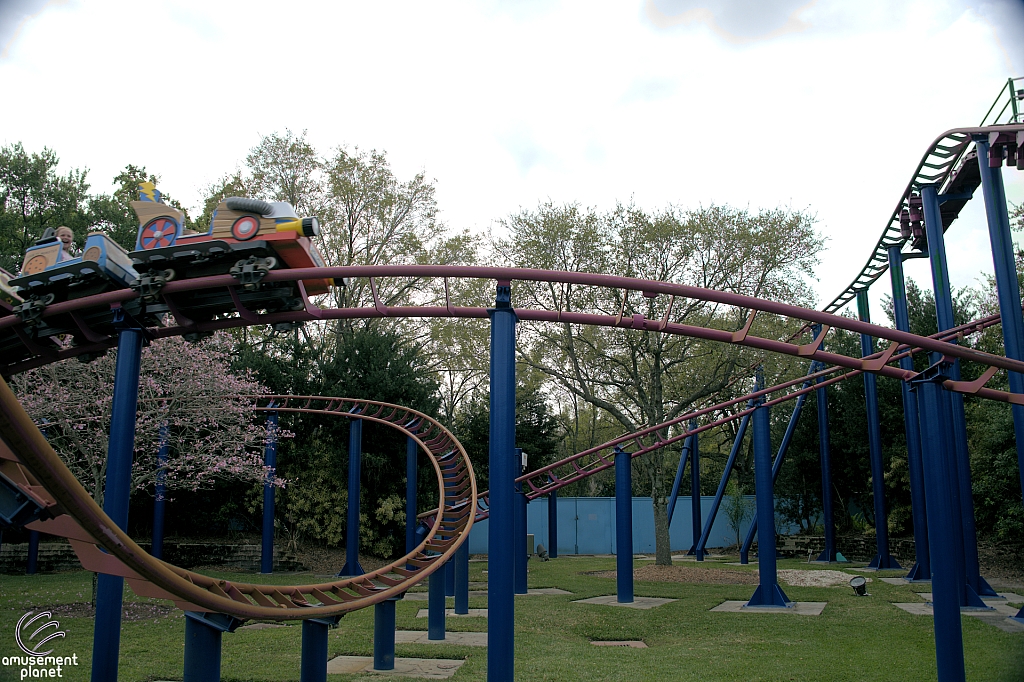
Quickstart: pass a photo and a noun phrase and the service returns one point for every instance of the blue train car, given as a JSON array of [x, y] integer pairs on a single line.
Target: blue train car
[[102, 262]]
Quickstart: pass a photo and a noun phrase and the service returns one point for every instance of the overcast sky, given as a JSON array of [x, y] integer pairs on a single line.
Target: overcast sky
[[826, 105]]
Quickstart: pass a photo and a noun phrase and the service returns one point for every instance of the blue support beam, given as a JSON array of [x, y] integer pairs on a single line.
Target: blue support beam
[[106, 642], [384, 635], [355, 465], [462, 579], [412, 451], [33, 553], [684, 457], [1007, 286], [449, 578], [768, 593], [269, 461], [313, 663], [520, 529], [160, 495], [922, 568], [944, 315], [436, 604], [502, 468], [695, 492], [553, 524], [623, 526], [720, 493], [882, 559], [202, 650], [830, 552], [776, 467], [942, 522]]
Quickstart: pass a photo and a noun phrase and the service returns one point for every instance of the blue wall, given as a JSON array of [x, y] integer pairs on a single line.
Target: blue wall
[[586, 525]]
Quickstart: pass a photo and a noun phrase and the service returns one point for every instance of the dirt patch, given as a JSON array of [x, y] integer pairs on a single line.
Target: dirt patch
[[799, 578], [130, 611], [696, 575], [329, 560]]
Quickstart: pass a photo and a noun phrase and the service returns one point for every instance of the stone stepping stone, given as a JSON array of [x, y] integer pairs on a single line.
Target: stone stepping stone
[[450, 613], [637, 603], [800, 608], [431, 668], [459, 638]]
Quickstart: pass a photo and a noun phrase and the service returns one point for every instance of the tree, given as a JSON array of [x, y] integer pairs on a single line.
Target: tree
[[643, 379], [33, 197], [184, 388]]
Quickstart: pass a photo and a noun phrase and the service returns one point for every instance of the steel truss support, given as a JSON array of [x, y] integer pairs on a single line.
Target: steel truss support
[[269, 461], [624, 526], [830, 553], [882, 558], [202, 645], [503, 468], [922, 568], [943, 513], [1007, 286], [109, 588], [159, 498], [768, 593], [449, 577], [729, 463], [695, 511], [776, 467], [944, 316]]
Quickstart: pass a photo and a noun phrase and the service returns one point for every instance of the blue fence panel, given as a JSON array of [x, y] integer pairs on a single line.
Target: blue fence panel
[[586, 525]]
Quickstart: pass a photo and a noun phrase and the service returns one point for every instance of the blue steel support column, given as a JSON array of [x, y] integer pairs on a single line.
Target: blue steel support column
[[623, 525], [355, 465], [922, 568], [768, 592], [1007, 286], [729, 463], [501, 572], [553, 524], [882, 558], [942, 518], [159, 501], [684, 457], [462, 579], [33, 553], [519, 537], [383, 635], [269, 461], [944, 315], [449, 577], [436, 604], [695, 515], [829, 554], [106, 641], [313, 663], [202, 650], [411, 453], [776, 467]]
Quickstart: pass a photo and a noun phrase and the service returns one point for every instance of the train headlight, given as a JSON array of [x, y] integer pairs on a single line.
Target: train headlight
[[310, 227]]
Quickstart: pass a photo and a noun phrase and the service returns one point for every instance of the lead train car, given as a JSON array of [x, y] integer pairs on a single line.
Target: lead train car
[[260, 230]]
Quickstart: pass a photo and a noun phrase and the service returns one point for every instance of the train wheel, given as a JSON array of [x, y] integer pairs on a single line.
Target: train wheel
[[158, 233], [245, 228]]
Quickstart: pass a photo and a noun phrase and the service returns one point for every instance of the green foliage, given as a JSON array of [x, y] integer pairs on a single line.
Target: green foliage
[[736, 507], [33, 197]]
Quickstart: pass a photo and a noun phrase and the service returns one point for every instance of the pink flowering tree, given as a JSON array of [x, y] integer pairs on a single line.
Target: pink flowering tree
[[210, 428]]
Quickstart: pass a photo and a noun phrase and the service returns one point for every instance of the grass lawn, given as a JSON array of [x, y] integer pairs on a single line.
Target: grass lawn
[[856, 638]]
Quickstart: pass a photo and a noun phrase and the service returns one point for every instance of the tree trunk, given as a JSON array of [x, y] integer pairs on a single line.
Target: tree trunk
[[662, 543]]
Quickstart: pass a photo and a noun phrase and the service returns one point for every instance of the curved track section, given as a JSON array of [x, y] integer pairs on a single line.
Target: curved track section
[[573, 468], [42, 476], [953, 168]]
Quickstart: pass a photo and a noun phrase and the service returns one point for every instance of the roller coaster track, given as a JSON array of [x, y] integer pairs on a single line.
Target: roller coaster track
[[27, 459], [953, 168], [576, 467]]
